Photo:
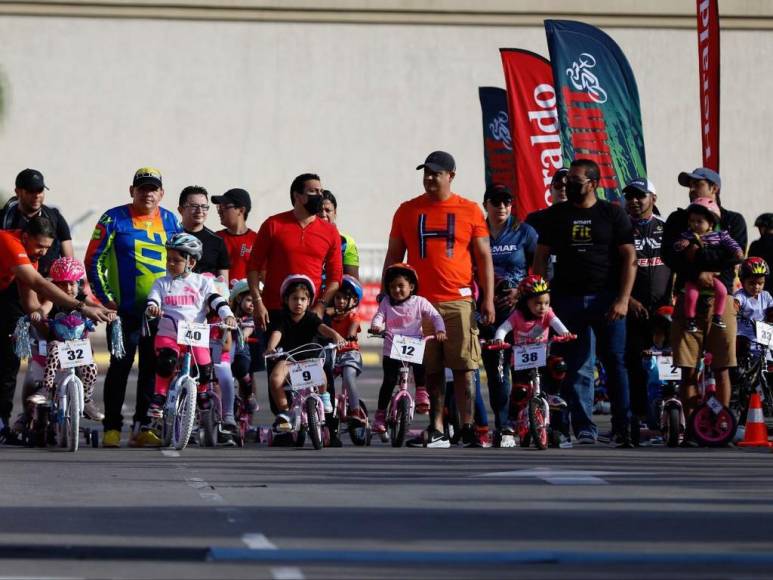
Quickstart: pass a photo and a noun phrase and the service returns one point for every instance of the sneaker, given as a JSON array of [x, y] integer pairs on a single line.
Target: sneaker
[[251, 405], [229, 423], [327, 405], [482, 438], [430, 438], [358, 416], [621, 441], [225, 438], [111, 438], [692, 325], [22, 420], [555, 402], [92, 412], [422, 401], [379, 422], [156, 408], [586, 438], [8, 437], [334, 442], [605, 437], [564, 441], [282, 423], [717, 321], [467, 436], [145, 438], [507, 440]]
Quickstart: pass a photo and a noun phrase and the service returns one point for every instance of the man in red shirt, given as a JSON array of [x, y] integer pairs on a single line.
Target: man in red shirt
[[442, 233], [295, 242], [233, 207], [20, 251]]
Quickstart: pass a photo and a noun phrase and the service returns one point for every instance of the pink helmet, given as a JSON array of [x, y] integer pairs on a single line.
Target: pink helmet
[[297, 279], [706, 206], [67, 270]]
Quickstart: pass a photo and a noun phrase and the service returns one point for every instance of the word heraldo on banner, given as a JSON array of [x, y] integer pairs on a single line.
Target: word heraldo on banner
[[545, 136]]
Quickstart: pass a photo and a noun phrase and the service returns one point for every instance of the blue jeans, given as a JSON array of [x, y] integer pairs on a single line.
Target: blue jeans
[[585, 316], [498, 390]]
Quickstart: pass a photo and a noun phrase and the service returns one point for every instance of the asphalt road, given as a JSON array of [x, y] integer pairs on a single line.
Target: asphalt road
[[379, 512]]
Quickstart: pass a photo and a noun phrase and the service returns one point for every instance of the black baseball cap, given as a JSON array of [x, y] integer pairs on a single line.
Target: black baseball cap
[[498, 192], [560, 175], [237, 197], [439, 161], [147, 176], [31, 180]]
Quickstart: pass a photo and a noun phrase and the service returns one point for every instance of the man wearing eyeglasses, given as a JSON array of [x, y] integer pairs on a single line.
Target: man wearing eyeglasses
[[233, 207], [194, 208]]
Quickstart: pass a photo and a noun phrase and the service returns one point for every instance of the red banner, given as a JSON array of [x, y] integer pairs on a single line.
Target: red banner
[[708, 62], [533, 126]]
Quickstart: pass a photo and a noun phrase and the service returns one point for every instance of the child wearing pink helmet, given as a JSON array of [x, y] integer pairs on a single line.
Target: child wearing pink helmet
[[703, 221]]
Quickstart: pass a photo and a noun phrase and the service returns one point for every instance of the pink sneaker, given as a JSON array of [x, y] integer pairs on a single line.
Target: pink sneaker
[[379, 422], [422, 401]]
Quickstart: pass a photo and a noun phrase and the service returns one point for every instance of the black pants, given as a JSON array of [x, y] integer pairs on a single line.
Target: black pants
[[10, 312], [391, 369], [118, 375], [638, 338]]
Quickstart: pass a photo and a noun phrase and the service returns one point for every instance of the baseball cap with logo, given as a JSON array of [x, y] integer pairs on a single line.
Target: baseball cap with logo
[[640, 185], [147, 176], [237, 197], [560, 176], [497, 192], [439, 161], [700, 173], [31, 180]]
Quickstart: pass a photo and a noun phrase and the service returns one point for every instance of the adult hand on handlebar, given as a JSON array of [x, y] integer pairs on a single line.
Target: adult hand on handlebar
[[98, 313], [261, 315]]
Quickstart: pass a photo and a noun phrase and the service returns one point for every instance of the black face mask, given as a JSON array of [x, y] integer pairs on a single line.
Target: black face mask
[[313, 204], [574, 193]]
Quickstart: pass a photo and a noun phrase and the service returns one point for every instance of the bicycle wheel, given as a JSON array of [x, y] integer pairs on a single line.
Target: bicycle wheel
[[72, 413], [315, 424], [538, 423], [674, 426], [185, 414], [209, 426], [400, 426], [712, 430]]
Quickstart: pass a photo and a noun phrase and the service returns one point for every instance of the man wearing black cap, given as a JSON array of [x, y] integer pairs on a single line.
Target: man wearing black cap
[[720, 342], [441, 232], [20, 209], [233, 207], [193, 207]]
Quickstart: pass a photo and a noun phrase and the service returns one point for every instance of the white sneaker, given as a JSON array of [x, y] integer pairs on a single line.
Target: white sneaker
[[327, 405], [508, 440]]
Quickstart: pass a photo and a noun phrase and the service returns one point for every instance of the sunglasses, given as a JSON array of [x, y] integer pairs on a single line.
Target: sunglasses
[[500, 202], [631, 195]]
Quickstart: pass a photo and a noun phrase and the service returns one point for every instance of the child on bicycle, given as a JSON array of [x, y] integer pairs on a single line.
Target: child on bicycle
[[703, 217], [402, 312], [68, 275], [530, 322], [346, 322], [752, 303], [295, 326], [182, 295], [241, 359]]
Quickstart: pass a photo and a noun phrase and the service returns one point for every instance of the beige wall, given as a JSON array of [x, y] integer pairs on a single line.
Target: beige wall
[[253, 103]]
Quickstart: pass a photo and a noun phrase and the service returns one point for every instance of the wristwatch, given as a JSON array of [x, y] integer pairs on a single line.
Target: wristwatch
[[79, 306]]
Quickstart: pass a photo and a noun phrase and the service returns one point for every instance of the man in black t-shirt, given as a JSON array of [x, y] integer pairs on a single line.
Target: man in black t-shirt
[[193, 208], [594, 272]]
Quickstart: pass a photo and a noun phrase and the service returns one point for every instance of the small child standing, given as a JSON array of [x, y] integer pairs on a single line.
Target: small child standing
[[294, 327], [703, 218], [402, 312], [241, 359], [346, 322], [752, 303], [182, 295]]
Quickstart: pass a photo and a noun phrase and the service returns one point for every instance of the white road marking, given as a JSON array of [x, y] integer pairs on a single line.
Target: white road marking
[[199, 484], [556, 476], [287, 574], [170, 453], [258, 542]]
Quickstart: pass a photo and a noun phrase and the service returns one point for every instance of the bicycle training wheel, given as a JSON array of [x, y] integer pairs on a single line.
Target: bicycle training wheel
[[712, 430], [538, 423], [315, 424], [185, 414]]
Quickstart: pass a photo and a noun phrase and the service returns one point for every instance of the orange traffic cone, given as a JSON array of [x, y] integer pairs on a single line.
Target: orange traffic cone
[[756, 433]]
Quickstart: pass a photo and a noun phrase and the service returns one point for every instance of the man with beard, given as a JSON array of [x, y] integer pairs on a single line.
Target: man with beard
[[594, 273]]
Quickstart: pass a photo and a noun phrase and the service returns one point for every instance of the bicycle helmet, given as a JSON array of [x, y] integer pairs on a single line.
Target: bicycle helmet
[[294, 279], [67, 270], [764, 220], [238, 288], [401, 269], [754, 267], [532, 286], [186, 244], [707, 207], [352, 286]]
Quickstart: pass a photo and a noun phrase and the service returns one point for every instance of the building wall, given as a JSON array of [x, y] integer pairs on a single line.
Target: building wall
[[252, 102]]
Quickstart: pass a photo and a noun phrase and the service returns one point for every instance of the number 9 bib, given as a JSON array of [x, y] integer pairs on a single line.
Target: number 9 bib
[[307, 373]]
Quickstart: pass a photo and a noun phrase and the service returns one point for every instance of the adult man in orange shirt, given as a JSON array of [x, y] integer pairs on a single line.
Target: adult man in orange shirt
[[442, 233]]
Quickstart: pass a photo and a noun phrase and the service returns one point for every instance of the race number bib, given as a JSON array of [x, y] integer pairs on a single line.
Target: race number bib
[[193, 334], [765, 334], [75, 353], [408, 349], [307, 373], [666, 369], [529, 356]]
